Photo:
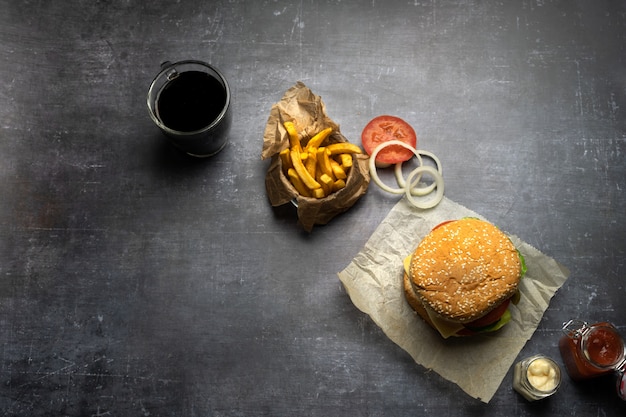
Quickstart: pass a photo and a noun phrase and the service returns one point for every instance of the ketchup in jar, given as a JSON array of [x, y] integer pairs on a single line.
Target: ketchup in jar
[[590, 351]]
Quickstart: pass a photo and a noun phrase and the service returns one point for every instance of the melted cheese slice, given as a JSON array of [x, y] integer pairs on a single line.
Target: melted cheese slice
[[444, 327]]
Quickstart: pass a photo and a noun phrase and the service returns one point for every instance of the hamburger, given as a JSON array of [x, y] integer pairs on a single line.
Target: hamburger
[[463, 276]]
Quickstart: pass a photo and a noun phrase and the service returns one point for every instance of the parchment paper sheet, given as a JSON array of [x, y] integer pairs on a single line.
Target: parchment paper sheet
[[477, 364]]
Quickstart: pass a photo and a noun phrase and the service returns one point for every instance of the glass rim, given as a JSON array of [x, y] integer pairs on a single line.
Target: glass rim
[[585, 342], [167, 67], [555, 366]]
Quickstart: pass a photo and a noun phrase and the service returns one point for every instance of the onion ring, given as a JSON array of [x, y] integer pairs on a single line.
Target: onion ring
[[372, 165], [421, 191], [411, 181]]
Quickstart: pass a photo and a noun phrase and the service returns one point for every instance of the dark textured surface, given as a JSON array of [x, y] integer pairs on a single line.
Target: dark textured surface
[[137, 282]]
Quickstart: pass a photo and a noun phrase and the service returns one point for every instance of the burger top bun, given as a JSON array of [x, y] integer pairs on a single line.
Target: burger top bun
[[465, 268]]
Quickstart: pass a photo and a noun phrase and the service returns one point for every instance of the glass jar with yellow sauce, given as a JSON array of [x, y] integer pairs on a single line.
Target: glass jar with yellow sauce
[[536, 377]]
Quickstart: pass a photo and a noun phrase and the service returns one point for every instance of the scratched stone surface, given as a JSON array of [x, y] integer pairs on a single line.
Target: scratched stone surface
[[135, 281]]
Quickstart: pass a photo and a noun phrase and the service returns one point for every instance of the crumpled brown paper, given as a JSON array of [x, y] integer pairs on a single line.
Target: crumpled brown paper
[[477, 364], [308, 113]]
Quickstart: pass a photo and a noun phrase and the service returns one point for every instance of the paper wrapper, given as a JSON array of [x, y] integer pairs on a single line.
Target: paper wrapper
[[308, 113], [477, 364]]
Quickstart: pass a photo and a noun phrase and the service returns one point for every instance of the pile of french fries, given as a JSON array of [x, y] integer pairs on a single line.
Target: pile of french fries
[[317, 169]]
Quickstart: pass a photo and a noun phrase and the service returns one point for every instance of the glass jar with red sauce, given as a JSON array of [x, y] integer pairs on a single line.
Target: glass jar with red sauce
[[591, 351]]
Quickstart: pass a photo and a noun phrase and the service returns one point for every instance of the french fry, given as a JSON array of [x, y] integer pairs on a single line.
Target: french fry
[[311, 163], [316, 170], [319, 193], [297, 183], [343, 147], [319, 138], [323, 161], [345, 159], [340, 174], [304, 175], [326, 182], [286, 160], [338, 185], [294, 138]]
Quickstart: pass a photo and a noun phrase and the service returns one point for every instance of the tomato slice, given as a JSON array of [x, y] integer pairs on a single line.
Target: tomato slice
[[385, 128], [490, 317], [442, 223]]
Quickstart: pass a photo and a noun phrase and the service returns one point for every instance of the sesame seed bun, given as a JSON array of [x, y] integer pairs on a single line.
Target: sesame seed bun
[[414, 301], [463, 270]]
